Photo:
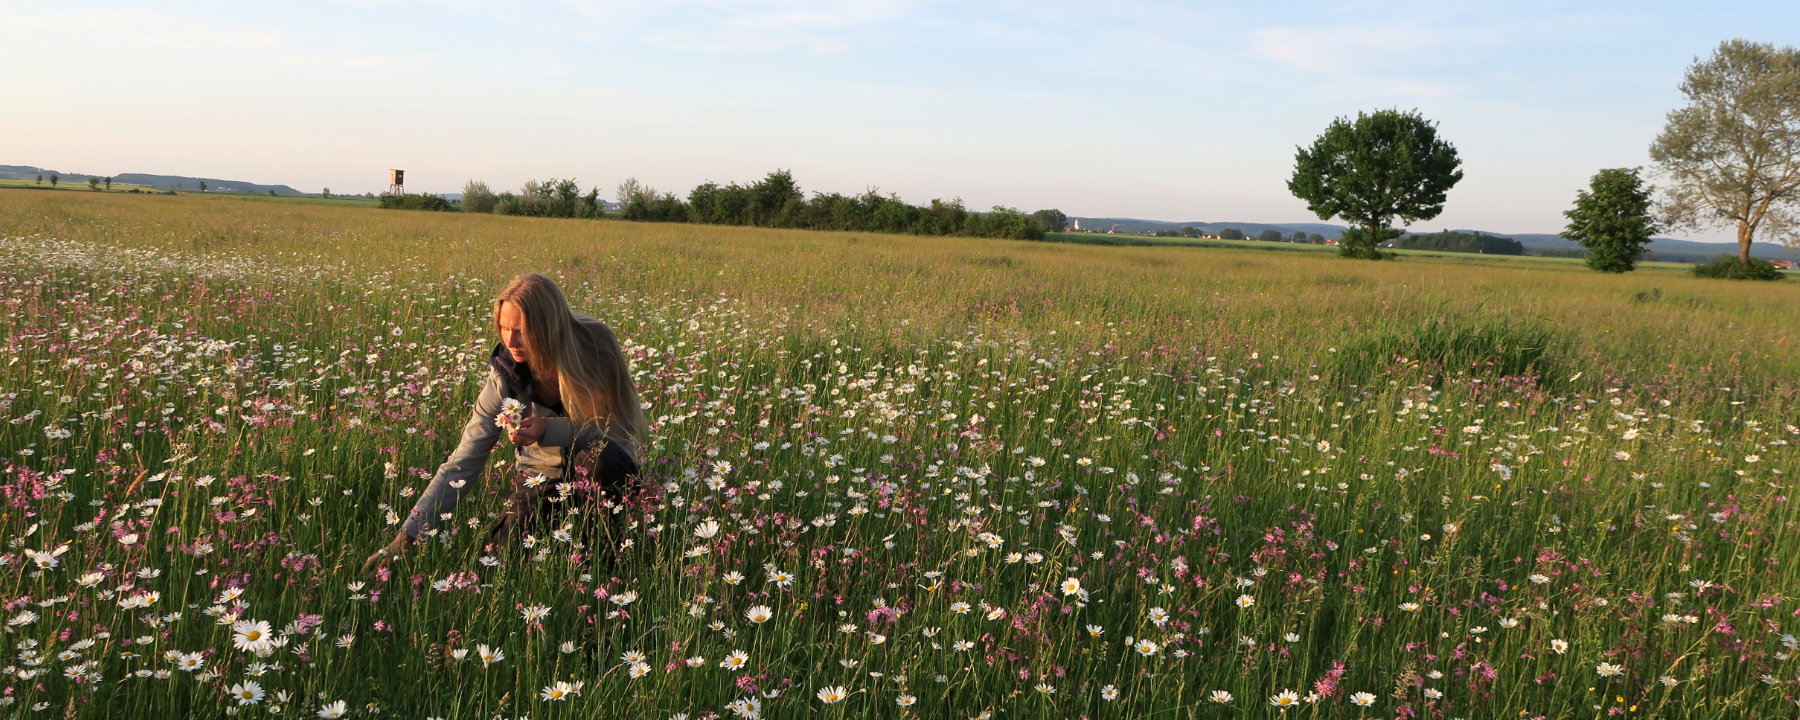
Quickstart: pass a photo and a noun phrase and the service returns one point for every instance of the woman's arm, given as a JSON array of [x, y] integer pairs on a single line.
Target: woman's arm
[[560, 432], [448, 487]]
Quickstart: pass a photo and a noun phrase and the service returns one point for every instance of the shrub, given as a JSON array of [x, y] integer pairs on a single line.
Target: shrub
[[1729, 268], [413, 201]]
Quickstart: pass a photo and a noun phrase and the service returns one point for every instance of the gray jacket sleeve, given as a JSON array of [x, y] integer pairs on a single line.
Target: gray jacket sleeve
[[470, 456]]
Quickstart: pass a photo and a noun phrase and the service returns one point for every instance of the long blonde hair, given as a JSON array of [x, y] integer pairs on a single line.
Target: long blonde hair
[[581, 354]]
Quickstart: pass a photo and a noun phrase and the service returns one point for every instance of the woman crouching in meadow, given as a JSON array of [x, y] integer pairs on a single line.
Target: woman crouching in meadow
[[561, 391]]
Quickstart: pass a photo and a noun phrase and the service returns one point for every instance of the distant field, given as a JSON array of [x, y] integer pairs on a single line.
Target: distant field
[[888, 476], [119, 187], [1135, 240], [66, 185]]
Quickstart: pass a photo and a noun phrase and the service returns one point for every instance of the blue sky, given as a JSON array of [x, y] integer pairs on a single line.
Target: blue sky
[[1164, 110]]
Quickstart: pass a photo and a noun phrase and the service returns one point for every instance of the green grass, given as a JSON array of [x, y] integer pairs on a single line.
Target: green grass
[[1429, 472]]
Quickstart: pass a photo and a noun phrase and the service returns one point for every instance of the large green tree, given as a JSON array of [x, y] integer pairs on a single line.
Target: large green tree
[[1612, 220], [1732, 155], [1051, 220], [1371, 170], [478, 197]]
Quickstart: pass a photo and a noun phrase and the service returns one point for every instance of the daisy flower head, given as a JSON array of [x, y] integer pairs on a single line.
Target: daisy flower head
[[1607, 670], [1285, 699], [1245, 601], [759, 614], [251, 635], [1146, 647], [558, 692], [905, 700], [639, 670], [333, 709], [737, 660], [489, 655], [1109, 693], [247, 692], [748, 708], [1559, 646], [190, 662], [833, 694], [1362, 699], [1071, 586], [535, 614], [1220, 696]]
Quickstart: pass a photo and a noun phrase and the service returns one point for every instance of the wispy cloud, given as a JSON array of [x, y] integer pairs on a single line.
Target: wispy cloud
[[103, 27], [752, 26], [1387, 60], [1344, 48]]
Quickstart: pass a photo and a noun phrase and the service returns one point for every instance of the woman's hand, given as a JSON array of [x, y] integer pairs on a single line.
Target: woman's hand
[[386, 555], [529, 432]]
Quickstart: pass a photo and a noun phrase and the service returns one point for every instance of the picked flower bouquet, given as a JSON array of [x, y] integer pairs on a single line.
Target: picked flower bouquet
[[511, 412]]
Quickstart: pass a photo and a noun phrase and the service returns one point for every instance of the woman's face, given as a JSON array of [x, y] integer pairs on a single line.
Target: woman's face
[[512, 331]]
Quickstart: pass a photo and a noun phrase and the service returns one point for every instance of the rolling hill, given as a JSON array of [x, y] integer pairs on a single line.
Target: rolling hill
[[161, 182]]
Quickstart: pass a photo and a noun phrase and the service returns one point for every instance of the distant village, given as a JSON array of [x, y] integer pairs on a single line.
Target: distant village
[[1075, 226]]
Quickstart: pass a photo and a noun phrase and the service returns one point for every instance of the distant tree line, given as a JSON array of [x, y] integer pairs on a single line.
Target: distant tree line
[[1455, 241], [556, 198], [413, 201], [775, 201], [1231, 233]]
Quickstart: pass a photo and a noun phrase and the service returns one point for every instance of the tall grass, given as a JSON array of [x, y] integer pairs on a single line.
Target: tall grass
[[1008, 478]]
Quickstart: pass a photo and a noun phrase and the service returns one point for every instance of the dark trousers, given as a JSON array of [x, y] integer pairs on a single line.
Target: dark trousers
[[601, 480]]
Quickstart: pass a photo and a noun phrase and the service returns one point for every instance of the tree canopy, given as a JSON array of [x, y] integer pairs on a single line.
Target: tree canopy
[[1612, 220], [1731, 155], [1370, 171]]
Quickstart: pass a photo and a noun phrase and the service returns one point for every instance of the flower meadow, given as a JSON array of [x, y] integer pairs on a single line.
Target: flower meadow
[[201, 447]]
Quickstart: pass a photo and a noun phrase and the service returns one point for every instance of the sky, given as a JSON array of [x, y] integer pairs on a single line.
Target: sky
[[1159, 110]]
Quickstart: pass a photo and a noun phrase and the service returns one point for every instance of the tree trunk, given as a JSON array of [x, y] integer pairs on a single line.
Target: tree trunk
[[1745, 230]]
